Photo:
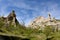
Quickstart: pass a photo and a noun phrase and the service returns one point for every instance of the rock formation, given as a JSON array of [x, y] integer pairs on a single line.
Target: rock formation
[[41, 22], [10, 19]]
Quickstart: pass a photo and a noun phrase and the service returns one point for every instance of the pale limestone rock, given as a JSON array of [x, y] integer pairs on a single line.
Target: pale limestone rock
[[41, 22]]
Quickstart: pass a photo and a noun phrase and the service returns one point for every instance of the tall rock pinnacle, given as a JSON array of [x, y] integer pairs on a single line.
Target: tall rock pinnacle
[[49, 16]]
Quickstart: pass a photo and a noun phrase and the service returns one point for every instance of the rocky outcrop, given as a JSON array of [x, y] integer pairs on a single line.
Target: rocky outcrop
[[41, 22], [10, 19]]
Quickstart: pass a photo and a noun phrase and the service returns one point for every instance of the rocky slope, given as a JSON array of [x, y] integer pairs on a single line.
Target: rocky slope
[[41, 22]]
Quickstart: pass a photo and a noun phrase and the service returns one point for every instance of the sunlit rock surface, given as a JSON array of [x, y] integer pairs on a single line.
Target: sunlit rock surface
[[41, 22]]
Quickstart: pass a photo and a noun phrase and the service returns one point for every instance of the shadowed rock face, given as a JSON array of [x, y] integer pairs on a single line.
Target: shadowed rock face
[[10, 19], [11, 15]]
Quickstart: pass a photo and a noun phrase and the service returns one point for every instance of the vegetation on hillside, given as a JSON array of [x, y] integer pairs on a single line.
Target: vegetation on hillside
[[20, 32], [31, 34]]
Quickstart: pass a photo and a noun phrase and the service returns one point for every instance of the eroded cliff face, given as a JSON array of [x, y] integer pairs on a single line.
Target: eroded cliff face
[[10, 19], [41, 22]]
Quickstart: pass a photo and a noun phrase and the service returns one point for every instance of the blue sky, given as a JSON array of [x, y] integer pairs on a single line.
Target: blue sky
[[27, 10]]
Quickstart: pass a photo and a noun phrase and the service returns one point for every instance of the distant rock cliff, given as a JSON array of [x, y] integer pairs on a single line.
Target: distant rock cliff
[[41, 22]]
